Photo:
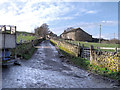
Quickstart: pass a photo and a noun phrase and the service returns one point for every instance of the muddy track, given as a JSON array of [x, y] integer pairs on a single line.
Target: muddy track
[[46, 70]]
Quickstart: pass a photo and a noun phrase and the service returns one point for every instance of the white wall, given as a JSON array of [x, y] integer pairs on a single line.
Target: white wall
[[9, 41]]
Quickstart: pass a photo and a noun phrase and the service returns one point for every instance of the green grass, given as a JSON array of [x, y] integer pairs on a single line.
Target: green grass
[[88, 44], [95, 45], [29, 54], [53, 42], [85, 64], [26, 50], [26, 38], [66, 50]]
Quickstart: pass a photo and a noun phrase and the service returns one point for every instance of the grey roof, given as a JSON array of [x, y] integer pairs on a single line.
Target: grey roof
[[7, 25], [74, 30]]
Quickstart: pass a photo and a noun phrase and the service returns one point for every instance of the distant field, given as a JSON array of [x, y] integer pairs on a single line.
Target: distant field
[[88, 44], [25, 38]]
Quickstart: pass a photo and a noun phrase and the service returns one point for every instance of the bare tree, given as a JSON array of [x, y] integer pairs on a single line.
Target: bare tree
[[42, 31]]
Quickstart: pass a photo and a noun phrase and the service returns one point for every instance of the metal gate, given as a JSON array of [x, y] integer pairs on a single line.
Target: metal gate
[[86, 53]]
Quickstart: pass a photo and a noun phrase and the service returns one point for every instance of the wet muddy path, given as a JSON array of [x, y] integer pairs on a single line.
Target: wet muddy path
[[46, 70]]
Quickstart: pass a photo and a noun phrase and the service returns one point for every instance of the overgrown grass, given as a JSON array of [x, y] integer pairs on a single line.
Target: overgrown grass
[[26, 38], [29, 54], [66, 50], [105, 72], [85, 64], [53, 42], [26, 50]]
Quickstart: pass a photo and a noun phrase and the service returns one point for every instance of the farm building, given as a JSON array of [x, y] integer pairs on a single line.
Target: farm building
[[77, 35], [51, 35]]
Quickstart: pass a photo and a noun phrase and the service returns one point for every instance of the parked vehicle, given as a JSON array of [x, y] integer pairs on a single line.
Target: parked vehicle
[[7, 43]]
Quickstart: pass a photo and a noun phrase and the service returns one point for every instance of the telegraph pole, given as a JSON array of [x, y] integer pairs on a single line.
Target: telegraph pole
[[100, 35], [114, 35]]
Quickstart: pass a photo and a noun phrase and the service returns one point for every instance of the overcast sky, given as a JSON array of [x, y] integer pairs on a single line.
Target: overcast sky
[[28, 14]]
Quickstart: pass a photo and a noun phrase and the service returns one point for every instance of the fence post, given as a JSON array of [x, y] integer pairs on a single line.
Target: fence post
[[91, 56], [98, 48], [79, 49], [115, 49], [82, 50], [21, 39]]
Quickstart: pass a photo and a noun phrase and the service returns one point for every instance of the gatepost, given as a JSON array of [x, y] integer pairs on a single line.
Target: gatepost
[[91, 56], [0, 58]]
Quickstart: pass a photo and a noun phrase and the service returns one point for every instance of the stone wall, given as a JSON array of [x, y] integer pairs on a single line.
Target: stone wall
[[68, 46], [108, 60]]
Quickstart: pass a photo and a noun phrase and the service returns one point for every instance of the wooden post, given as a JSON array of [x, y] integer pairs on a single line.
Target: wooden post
[[82, 50], [21, 39], [98, 48], [58, 43], [115, 49], [79, 49], [91, 56], [15, 43], [4, 41]]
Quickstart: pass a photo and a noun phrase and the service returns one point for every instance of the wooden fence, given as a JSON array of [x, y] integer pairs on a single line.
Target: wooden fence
[[108, 48]]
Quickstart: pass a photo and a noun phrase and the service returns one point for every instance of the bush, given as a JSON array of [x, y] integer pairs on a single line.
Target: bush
[[114, 41], [26, 50]]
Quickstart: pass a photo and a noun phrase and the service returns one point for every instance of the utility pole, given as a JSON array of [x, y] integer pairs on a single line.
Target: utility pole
[[114, 35], [100, 35]]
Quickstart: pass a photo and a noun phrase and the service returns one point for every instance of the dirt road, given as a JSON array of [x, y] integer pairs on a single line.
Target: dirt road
[[46, 70]]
